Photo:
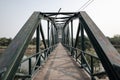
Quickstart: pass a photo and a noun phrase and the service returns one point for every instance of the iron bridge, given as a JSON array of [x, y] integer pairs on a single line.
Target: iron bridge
[[60, 27]]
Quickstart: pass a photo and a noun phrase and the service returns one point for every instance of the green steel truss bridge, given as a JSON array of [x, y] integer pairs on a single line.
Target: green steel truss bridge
[[60, 27]]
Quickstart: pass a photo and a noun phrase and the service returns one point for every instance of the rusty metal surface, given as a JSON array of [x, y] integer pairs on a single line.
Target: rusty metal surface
[[60, 66]]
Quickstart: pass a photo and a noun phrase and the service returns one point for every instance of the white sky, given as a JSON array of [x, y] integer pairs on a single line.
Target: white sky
[[14, 13]]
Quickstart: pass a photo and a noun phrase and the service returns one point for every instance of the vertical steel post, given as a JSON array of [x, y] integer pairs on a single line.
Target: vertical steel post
[[50, 32], [72, 32], [30, 66], [48, 37], [52, 35], [77, 36], [71, 37], [82, 38], [67, 35], [38, 44], [82, 44], [56, 36], [63, 36], [92, 69], [42, 34]]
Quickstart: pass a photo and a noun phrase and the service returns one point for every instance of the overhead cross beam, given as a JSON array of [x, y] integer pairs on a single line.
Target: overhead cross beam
[[107, 54]]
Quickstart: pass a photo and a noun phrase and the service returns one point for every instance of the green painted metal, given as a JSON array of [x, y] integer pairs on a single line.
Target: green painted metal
[[15, 51], [48, 33], [72, 33], [38, 45], [42, 34], [92, 68], [88, 67], [48, 36], [68, 35], [82, 45], [105, 51], [78, 31], [52, 33], [30, 66], [101, 45]]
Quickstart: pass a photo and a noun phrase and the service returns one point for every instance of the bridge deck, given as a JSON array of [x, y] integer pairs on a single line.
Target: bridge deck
[[60, 66]]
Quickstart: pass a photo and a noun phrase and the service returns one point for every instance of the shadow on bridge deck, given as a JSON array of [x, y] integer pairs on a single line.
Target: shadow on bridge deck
[[60, 66]]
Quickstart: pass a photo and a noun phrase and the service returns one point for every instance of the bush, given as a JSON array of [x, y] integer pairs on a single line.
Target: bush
[[5, 41]]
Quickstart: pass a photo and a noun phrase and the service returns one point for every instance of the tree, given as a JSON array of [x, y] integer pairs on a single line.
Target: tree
[[115, 40], [5, 41], [86, 42], [33, 41]]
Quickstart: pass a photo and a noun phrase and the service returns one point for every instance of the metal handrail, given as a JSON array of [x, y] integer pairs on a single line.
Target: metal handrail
[[107, 54], [86, 66], [15, 51], [34, 55], [94, 56], [13, 55]]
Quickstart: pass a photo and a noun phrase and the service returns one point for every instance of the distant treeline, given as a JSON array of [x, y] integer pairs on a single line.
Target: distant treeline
[[114, 40], [6, 41]]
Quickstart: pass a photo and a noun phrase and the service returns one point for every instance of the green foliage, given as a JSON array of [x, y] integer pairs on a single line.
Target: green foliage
[[86, 42], [5, 41], [115, 40], [33, 41]]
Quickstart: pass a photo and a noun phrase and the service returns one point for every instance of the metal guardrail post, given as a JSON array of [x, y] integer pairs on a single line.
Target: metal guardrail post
[[15, 51], [48, 29], [92, 68], [38, 44], [30, 67], [72, 33], [42, 35], [104, 49], [82, 44]]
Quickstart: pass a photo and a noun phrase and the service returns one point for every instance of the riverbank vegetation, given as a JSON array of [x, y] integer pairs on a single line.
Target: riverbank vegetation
[[115, 40]]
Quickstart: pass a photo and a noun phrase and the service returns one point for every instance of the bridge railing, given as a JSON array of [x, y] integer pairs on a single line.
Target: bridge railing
[[108, 55], [31, 65], [12, 57], [90, 62]]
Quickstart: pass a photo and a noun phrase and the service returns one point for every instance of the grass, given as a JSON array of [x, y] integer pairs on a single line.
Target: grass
[[3, 47]]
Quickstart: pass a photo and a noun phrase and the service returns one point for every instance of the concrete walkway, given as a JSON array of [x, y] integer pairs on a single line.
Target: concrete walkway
[[60, 66]]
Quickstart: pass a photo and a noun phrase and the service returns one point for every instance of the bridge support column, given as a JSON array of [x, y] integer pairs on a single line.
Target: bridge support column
[[77, 36], [82, 45], [38, 45], [48, 34], [48, 28], [71, 37], [72, 33]]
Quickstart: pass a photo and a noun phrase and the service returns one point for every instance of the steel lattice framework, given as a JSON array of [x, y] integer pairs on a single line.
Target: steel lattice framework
[[60, 29]]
